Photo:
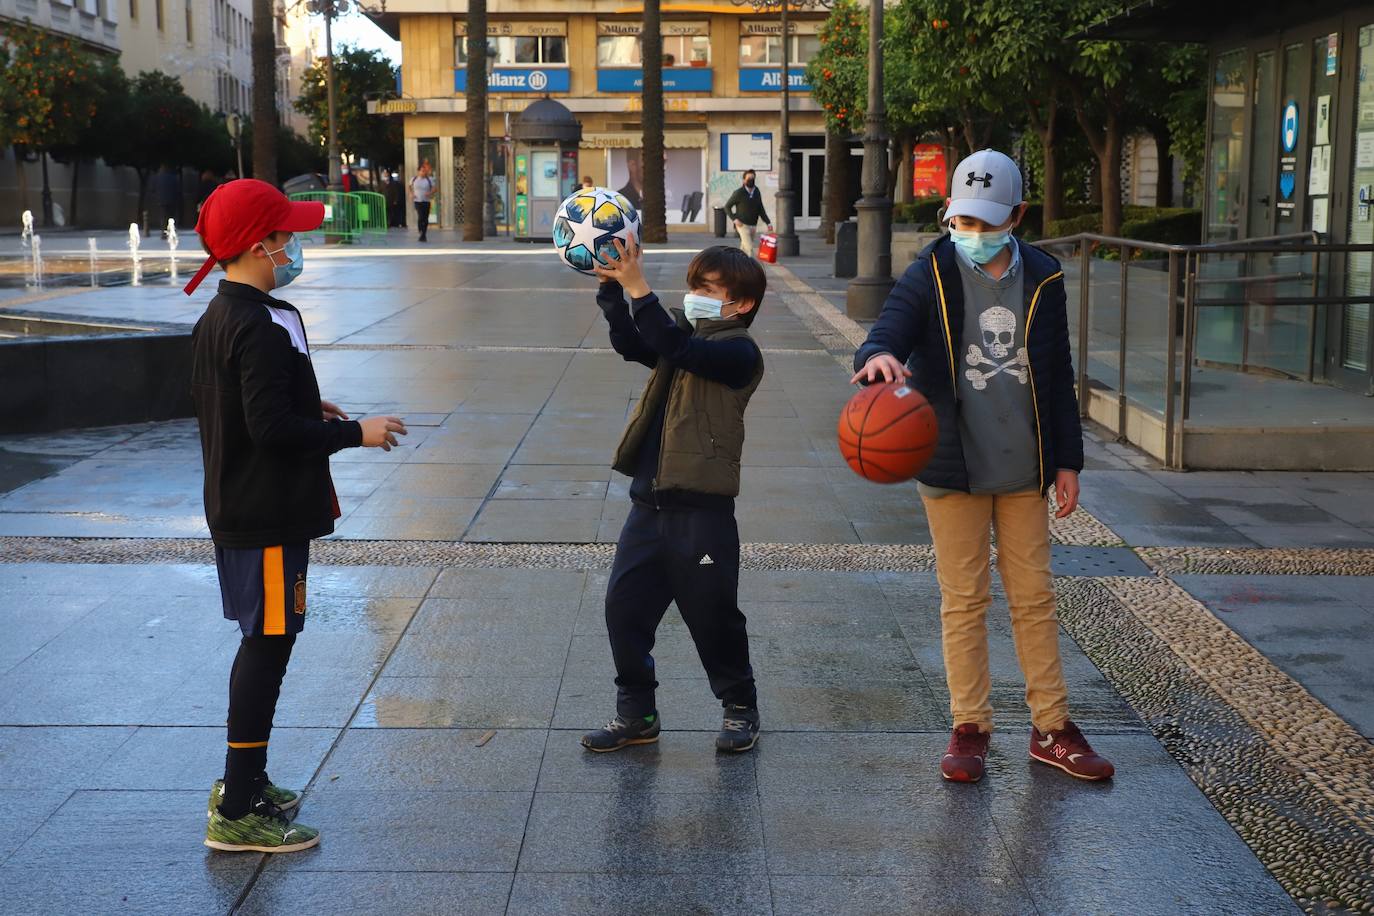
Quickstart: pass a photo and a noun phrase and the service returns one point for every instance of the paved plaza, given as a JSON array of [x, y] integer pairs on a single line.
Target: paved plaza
[[1218, 631]]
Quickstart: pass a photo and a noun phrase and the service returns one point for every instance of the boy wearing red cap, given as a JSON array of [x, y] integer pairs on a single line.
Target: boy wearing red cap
[[266, 437]]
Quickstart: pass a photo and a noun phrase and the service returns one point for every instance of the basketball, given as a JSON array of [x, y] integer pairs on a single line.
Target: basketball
[[588, 223], [887, 432]]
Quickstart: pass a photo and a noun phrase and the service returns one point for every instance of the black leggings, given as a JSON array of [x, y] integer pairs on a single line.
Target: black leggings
[[254, 685]]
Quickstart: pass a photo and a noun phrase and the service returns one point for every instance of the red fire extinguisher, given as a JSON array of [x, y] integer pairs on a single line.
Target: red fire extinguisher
[[768, 248]]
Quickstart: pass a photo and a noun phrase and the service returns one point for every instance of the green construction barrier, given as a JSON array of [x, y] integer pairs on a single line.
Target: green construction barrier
[[340, 214], [370, 210]]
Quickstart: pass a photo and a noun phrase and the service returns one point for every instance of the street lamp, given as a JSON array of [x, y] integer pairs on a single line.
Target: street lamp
[[330, 10], [868, 291], [788, 243]]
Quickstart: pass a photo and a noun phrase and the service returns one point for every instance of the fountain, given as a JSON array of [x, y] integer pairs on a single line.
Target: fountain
[[135, 239], [172, 242], [36, 246], [90, 247], [26, 233]]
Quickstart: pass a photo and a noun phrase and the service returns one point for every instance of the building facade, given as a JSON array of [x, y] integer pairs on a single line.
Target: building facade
[[1290, 154], [205, 44], [721, 77]]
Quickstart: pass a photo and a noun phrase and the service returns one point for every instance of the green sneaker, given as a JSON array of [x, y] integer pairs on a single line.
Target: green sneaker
[[261, 830], [284, 799]]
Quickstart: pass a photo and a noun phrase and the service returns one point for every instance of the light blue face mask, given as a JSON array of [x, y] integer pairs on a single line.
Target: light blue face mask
[[698, 307], [980, 247], [283, 274]]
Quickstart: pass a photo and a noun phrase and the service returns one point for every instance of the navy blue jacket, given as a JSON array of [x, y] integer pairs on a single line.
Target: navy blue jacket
[[922, 325]]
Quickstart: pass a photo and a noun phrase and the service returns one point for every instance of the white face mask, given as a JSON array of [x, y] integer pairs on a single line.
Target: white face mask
[[703, 307]]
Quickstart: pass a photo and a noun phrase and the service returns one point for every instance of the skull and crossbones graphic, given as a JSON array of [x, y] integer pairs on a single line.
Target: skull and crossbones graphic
[[998, 326]]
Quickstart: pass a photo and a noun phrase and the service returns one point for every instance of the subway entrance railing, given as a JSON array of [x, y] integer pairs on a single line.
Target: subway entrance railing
[[1175, 339]]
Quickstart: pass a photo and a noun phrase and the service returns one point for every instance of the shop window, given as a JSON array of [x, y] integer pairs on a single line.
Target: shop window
[[618, 51], [1355, 323], [517, 50], [678, 51], [766, 50]]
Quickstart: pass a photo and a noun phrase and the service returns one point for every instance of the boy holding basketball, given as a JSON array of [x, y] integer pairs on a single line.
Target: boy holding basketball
[[266, 437], [682, 448], [978, 324]]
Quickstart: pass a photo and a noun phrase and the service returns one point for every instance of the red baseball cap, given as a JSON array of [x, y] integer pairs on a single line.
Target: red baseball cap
[[239, 214]]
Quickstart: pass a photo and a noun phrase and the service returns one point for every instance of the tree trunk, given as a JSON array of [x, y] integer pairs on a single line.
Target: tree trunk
[[837, 200], [894, 167], [1106, 146], [655, 216], [1164, 179], [71, 204], [47, 192], [475, 143], [264, 47], [1110, 176], [904, 166], [1045, 123], [143, 175]]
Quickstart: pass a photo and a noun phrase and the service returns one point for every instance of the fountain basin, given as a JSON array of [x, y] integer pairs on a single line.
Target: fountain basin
[[59, 372]]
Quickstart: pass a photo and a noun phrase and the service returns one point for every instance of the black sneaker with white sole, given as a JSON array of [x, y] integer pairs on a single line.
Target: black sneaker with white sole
[[739, 730], [622, 732]]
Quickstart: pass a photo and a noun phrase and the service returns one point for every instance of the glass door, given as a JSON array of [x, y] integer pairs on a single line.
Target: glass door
[[1352, 339], [1261, 198]]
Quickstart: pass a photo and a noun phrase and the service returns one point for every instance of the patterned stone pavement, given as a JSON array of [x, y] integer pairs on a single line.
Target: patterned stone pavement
[[1219, 624]]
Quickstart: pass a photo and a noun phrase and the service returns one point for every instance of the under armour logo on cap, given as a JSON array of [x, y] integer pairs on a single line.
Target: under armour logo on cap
[[990, 191]]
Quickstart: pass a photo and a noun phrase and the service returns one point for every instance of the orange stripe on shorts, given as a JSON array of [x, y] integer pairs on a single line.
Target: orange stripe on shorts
[[273, 593]]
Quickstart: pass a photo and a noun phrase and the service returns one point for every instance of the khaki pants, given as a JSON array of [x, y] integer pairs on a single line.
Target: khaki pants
[[746, 238], [959, 526]]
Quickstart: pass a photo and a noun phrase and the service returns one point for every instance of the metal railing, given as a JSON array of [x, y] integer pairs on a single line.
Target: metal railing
[[1187, 279]]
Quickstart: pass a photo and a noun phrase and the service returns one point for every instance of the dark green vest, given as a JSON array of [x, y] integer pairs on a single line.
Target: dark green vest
[[703, 428]]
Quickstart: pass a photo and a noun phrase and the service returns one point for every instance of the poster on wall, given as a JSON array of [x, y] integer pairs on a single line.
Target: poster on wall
[[1331, 43], [683, 194], [1323, 121], [1364, 150], [1319, 213], [928, 176], [746, 151], [1319, 171]]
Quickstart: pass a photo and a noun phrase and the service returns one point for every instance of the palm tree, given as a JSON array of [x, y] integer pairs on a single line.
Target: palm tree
[[655, 219], [264, 92], [475, 143]]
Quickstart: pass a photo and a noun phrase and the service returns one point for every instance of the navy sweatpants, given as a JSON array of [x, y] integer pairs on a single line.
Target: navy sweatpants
[[690, 556]]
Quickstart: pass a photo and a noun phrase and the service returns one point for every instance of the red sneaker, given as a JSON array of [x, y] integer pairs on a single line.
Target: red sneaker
[[1068, 750], [967, 751]]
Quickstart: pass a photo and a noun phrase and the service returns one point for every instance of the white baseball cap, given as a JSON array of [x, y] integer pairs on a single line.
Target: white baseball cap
[[986, 186]]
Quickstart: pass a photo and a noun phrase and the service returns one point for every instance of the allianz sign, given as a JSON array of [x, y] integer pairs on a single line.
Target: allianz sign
[[509, 79]]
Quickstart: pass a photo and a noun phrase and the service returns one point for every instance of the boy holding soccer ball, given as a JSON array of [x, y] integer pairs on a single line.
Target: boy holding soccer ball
[[682, 448], [979, 325]]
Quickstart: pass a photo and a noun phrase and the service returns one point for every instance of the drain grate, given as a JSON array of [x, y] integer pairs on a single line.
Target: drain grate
[[1097, 561]]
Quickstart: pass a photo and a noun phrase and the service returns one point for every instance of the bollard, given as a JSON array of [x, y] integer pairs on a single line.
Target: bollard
[[847, 249]]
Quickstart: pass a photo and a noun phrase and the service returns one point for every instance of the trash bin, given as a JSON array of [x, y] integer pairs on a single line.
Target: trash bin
[[718, 222], [847, 249]]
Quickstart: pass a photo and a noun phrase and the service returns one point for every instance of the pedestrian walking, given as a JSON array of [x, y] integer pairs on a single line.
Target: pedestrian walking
[[978, 324], [395, 202], [423, 189], [745, 207], [266, 437], [681, 541]]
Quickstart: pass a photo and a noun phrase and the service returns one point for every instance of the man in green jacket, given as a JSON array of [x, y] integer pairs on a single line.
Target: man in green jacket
[[745, 207]]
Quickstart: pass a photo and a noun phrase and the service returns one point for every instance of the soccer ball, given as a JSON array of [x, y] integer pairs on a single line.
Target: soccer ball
[[586, 224]]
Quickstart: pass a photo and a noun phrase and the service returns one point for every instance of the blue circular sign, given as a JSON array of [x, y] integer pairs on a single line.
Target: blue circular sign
[[1290, 127]]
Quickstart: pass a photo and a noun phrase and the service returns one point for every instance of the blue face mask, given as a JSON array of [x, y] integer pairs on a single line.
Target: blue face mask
[[980, 247], [698, 307], [283, 274]]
